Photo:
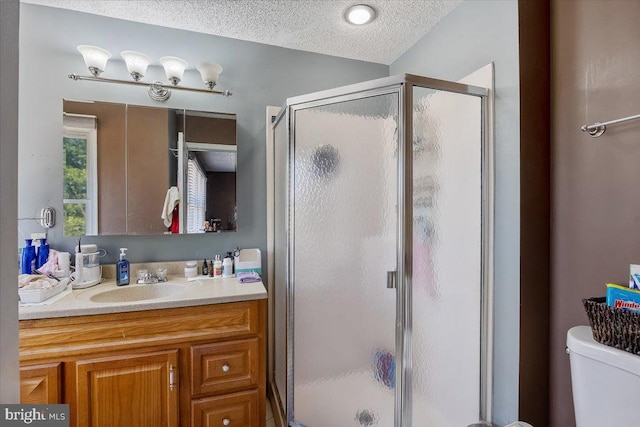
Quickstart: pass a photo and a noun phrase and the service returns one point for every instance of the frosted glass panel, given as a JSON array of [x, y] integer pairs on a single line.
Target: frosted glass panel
[[346, 158], [446, 283], [280, 258]]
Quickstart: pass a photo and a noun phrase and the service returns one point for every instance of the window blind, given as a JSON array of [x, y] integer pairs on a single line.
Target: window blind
[[196, 197]]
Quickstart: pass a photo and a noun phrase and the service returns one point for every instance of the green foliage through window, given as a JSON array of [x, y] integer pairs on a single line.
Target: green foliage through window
[[75, 223], [75, 185]]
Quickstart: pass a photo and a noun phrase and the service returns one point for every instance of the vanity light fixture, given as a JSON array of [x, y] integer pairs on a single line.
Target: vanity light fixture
[[137, 63], [360, 14], [95, 58], [174, 68], [209, 72]]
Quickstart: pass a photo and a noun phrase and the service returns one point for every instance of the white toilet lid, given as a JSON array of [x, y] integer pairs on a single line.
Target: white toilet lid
[[580, 341]]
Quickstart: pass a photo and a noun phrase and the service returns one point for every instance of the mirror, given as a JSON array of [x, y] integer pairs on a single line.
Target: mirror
[[137, 170]]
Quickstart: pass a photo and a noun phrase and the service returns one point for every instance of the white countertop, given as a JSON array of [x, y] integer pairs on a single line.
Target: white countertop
[[182, 294]]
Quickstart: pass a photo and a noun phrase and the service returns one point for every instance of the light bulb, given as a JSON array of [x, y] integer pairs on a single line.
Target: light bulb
[[360, 14]]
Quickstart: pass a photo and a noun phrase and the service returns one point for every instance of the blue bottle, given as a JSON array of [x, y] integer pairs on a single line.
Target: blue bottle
[[28, 258], [122, 269], [43, 253]]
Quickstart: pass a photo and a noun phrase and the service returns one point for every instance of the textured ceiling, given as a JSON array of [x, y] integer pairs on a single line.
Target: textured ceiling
[[314, 26]]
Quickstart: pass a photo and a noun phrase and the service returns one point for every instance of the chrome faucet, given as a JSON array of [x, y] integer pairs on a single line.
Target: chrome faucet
[[151, 278]]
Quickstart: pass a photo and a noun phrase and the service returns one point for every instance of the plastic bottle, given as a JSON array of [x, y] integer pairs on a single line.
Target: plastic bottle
[[122, 269], [210, 268], [227, 267], [43, 253], [28, 258], [205, 268], [217, 267]]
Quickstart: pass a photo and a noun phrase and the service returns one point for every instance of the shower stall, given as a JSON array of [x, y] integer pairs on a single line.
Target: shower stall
[[383, 253]]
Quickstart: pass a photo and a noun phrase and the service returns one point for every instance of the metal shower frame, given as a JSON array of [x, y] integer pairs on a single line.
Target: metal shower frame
[[403, 86]]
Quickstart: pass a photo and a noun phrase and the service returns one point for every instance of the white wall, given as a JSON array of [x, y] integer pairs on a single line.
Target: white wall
[[474, 34], [9, 376]]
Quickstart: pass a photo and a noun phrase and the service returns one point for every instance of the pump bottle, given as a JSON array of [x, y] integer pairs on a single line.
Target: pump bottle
[[217, 267], [122, 269]]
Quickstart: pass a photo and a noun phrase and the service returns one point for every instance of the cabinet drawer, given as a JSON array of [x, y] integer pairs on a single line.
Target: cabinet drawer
[[232, 410], [224, 366], [40, 384]]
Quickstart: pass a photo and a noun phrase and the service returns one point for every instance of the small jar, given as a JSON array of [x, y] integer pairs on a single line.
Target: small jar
[[190, 272]]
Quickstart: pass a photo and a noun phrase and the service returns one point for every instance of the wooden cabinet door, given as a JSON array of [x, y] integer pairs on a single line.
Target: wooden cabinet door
[[137, 390], [40, 384]]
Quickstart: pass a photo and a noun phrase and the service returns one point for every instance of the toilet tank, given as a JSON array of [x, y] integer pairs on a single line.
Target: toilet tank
[[605, 382]]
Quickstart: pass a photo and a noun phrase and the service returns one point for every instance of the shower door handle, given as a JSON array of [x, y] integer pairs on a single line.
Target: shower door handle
[[391, 279]]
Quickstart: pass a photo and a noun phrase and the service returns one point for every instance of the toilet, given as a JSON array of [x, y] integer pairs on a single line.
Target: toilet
[[605, 382]]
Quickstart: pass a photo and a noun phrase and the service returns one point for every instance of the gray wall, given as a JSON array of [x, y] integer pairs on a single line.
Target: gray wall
[[9, 378], [471, 36], [257, 74], [594, 185]]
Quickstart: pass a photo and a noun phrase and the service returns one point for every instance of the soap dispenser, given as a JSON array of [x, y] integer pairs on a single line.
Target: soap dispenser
[[122, 269]]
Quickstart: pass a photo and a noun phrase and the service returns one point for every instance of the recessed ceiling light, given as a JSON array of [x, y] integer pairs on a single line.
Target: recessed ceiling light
[[360, 14]]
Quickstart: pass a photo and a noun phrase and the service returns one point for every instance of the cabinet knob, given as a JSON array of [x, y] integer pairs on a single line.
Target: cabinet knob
[[226, 422], [225, 368]]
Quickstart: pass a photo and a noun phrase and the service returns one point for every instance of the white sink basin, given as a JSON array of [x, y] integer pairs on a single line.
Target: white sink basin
[[136, 293]]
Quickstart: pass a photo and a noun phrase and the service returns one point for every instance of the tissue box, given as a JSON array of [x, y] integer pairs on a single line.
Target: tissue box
[[634, 276], [249, 260]]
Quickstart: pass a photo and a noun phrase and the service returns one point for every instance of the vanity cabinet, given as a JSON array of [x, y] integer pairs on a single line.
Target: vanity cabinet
[[191, 366]]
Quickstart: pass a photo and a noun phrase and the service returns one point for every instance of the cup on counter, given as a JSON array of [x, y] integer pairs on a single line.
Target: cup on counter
[[64, 259]]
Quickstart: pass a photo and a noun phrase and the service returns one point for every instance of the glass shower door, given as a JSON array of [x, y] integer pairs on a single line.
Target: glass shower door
[[344, 210], [446, 285]]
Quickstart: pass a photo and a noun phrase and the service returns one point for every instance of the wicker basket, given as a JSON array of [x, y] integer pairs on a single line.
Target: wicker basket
[[614, 327]]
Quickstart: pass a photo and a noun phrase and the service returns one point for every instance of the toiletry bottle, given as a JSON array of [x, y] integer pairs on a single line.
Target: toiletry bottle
[[122, 269], [236, 259], [210, 268], [205, 268], [28, 258], [217, 267], [43, 253], [227, 266]]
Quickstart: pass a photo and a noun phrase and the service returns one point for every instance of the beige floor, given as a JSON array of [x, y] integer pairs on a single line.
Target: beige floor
[[270, 421]]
